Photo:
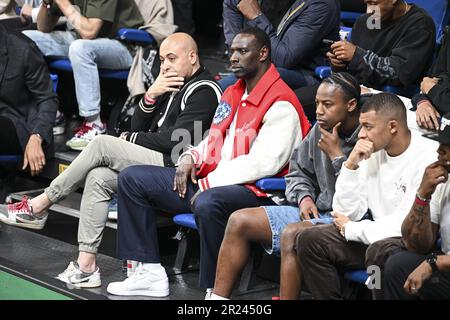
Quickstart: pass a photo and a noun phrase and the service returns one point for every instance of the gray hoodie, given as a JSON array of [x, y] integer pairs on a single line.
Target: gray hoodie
[[312, 173]]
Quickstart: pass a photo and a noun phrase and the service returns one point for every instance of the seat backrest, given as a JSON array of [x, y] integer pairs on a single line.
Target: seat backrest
[[437, 9]]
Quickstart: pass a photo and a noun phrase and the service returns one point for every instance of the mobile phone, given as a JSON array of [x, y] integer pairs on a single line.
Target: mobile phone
[[327, 42]]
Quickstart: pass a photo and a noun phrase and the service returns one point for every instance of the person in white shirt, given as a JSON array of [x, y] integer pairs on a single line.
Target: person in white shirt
[[380, 177], [422, 270]]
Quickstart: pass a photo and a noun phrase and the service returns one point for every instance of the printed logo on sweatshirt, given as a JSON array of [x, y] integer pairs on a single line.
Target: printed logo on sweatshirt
[[223, 111]]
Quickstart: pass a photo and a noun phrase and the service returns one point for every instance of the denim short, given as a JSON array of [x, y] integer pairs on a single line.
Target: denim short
[[280, 216]]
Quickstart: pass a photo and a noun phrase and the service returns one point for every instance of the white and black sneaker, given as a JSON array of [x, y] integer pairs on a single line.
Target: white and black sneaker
[[74, 276], [142, 282]]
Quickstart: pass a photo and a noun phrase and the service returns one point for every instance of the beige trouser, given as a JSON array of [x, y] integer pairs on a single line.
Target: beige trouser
[[98, 166]]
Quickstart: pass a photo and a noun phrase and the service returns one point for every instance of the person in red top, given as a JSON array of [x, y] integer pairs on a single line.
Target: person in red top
[[256, 126]]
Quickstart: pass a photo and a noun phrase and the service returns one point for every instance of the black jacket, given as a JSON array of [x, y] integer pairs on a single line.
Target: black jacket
[[26, 95], [398, 53], [298, 45], [439, 95], [195, 102]]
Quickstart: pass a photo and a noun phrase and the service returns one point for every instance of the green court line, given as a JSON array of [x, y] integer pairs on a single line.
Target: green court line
[[15, 288]]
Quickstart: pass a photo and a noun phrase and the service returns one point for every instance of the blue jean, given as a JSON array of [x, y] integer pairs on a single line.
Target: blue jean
[[280, 216], [86, 57], [294, 78]]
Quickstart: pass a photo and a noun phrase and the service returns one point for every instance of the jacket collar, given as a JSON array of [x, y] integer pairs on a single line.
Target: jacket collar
[[263, 85]]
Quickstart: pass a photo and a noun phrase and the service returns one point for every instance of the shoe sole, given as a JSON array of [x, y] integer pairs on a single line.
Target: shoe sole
[[147, 293], [23, 224], [82, 284], [87, 284], [77, 148]]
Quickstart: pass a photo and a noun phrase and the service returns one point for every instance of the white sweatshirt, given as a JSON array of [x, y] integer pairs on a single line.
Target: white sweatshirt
[[440, 213], [387, 186]]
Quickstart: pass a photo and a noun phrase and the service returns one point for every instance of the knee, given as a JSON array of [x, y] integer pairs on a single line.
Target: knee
[[204, 204], [101, 142], [288, 237], [79, 51], [127, 177], [238, 223]]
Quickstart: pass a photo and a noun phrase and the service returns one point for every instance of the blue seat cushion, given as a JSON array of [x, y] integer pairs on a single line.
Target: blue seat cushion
[[185, 220], [65, 65], [359, 276], [323, 72], [135, 35], [271, 184]]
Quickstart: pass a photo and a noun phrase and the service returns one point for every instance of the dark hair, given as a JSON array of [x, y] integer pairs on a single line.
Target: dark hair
[[386, 104], [261, 37], [347, 83]]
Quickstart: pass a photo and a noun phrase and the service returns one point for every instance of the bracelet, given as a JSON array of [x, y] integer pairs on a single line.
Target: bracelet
[[149, 100], [422, 201]]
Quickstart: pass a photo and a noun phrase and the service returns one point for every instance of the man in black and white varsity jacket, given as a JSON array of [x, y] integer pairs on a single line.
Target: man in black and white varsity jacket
[[182, 96]]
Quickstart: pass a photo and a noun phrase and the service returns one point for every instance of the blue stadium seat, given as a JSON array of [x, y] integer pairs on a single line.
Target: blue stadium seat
[[126, 35], [439, 11], [187, 220], [359, 276]]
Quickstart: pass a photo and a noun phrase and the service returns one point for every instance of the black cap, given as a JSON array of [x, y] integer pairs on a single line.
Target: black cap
[[443, 134]]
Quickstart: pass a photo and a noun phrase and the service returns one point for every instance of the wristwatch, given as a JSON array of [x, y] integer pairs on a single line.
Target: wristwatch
[[432, 259]]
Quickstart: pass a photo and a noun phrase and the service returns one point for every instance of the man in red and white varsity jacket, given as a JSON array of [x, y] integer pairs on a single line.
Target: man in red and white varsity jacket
[[256, 126]]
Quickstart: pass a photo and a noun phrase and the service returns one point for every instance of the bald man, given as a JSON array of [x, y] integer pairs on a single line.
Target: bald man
[[183, 97]]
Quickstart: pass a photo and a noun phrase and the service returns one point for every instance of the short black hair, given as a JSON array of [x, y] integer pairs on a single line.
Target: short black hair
[[386, 104], [347, 83], [261, 37]]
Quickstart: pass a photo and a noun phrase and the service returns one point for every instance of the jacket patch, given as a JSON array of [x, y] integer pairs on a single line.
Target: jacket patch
[[223, 111]]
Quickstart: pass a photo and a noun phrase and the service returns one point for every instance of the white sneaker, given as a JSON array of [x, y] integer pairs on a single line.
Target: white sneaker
[[142, 283], [84, 135], [210, 295], [74, 276]]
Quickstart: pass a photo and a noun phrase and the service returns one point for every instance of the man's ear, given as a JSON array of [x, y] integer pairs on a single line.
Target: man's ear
[[393, 126], [193, 57], [263, 54], [352, 105]]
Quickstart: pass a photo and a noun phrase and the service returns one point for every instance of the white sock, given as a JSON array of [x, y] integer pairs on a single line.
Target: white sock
[[153, 266], [217, 297]]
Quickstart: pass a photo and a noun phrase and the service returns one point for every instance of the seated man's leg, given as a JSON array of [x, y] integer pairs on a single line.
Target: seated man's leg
[[103, 151], [243, 227], [377, 254], [142, 190], [55, 43], [399, 267], [212, 210], [321, 250], [290, 271], [87, 56]]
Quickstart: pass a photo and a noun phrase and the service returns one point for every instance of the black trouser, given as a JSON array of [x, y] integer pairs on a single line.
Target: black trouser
[[9, 142], [397, 269], [324, 253], [144, 189], [212, 209]]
